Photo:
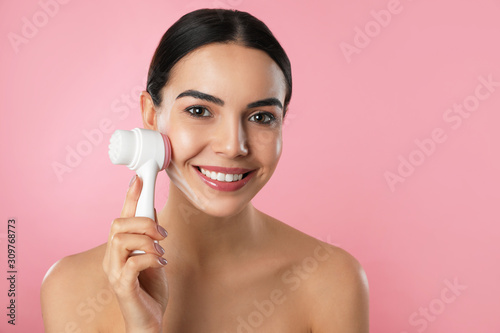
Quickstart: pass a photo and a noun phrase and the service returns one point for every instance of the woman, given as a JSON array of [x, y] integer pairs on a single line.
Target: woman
[[219, 86]]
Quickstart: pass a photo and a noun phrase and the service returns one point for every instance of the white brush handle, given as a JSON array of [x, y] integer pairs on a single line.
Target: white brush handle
[[145, 205]]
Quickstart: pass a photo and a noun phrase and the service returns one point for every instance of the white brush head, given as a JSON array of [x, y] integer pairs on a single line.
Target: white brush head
[[136, 147], [122, 147]]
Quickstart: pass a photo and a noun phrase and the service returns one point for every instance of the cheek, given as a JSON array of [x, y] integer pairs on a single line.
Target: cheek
[[267, 146], [186, 142]]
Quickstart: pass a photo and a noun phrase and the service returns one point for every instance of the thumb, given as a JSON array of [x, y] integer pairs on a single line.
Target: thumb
[[133, 194]]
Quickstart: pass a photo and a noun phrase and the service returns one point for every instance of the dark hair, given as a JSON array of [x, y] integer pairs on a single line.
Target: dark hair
[[205, 26]]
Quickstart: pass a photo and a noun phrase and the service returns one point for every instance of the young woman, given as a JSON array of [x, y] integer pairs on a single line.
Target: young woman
[[219, 85]]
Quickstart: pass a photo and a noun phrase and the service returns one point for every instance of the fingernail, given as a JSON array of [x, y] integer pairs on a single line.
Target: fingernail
[[162, 260], [132, 180], [159, 249], [162, 230]]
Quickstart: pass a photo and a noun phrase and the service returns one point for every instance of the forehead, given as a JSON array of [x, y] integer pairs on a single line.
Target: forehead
[[229, 71]]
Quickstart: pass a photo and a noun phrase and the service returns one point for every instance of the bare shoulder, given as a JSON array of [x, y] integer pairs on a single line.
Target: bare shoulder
[[339, 294], [335, 283], [334, 257], [73, 291]]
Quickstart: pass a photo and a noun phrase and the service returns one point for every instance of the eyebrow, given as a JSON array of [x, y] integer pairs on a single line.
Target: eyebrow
[[272, 101]]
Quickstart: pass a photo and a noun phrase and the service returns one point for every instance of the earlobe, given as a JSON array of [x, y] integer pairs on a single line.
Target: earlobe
[[148, 111]]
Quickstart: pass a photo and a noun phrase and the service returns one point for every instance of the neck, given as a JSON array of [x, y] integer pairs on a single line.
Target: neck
[[200, 240]]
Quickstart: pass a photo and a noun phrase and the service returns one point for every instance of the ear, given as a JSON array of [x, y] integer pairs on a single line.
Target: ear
[[148, 111]]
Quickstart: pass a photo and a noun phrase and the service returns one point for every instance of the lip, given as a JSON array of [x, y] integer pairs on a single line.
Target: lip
[[225, 186]]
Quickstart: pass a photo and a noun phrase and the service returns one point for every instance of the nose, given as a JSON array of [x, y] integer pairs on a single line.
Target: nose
[[230, 138]]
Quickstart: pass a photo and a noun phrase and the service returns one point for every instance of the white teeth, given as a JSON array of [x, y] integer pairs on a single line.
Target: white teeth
[[222, 177]]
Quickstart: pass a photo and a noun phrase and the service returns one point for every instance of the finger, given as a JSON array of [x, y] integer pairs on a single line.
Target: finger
[[137, 225], [132, 225], [132, 197], [136, 264], [160, 229], [122, 246], [128, 210]]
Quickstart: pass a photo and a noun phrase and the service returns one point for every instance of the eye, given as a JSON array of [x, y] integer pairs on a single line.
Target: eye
[[263, 118], [198, 111]]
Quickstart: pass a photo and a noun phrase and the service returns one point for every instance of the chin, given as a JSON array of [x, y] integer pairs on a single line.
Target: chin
[[222, 205]]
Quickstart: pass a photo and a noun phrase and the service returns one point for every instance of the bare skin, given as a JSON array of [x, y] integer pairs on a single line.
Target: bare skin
[[231, 268]]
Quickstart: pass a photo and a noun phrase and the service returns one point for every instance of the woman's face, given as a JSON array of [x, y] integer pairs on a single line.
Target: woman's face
[[223, 108]]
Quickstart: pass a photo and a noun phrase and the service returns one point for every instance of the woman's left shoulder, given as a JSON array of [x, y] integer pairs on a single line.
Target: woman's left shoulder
[[338, 294], [335, 283], [330, 259]]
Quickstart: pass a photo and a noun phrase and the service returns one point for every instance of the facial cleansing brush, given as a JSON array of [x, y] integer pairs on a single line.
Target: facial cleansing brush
[[147, 152]]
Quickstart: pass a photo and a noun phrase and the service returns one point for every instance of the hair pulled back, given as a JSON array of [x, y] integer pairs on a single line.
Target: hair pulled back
[[205, 26]]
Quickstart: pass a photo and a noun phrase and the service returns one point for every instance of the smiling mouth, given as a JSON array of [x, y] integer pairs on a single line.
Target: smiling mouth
[[222, 177]]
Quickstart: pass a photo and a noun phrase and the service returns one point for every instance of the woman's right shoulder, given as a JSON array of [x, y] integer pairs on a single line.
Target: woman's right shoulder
[[70, 286], [75, 268]]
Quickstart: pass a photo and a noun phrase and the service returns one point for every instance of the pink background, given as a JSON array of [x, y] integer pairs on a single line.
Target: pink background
[[352, 118]]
